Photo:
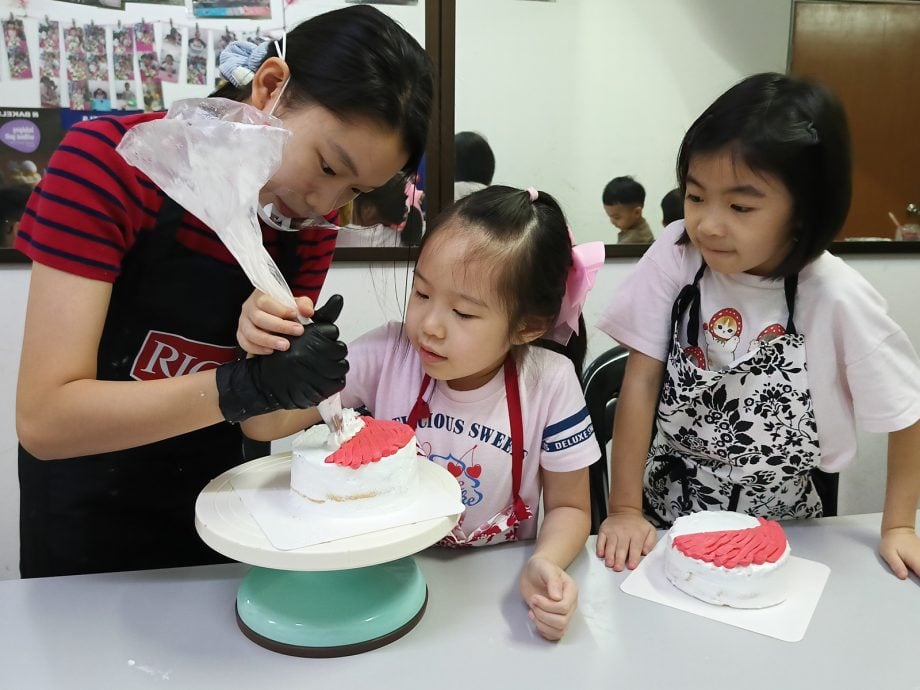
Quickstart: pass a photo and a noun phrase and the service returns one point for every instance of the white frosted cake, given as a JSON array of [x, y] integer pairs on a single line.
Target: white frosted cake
[[729, 559], [371, 466]]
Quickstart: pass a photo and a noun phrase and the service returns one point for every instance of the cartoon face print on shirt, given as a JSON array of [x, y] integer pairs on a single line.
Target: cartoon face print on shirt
[[723, 332], [771, 332]]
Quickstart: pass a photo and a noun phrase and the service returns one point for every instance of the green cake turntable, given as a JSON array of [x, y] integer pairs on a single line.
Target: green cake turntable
[[336, 598]]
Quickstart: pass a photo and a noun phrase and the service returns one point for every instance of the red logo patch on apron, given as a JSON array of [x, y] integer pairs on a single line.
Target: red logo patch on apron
[[165, 355]]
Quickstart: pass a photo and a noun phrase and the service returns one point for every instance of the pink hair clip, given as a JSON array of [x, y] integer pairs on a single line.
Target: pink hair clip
[[532, 193]]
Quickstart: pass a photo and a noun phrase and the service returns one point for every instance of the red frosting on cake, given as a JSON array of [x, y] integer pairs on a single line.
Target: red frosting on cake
[[765, 543], [378, 439]]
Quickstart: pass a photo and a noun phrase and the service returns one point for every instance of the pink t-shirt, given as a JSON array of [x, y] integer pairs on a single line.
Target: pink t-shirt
[[862, 368], [469, 431]]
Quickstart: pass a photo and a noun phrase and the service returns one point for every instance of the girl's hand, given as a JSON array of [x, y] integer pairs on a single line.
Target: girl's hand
[[624, 537], [550, 594], [900, 547], [263, 319]]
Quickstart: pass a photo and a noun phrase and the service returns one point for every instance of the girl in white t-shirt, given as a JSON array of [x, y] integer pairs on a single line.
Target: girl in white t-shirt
[[496, 275], [753, 352]]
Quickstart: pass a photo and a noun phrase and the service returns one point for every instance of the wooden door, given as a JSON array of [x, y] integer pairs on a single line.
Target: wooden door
[[868, 53]]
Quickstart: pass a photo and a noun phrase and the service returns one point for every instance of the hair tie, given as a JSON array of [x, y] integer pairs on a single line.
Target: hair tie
[[240, 60], [532, 193], [587, 260]]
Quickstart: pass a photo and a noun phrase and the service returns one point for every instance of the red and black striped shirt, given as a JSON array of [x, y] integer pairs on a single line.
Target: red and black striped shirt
[[90, 206]]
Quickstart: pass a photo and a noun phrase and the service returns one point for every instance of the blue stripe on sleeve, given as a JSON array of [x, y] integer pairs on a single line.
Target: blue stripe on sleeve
[[566, 423]]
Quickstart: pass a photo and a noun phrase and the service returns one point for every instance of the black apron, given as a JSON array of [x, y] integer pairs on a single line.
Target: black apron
[[135, 508]]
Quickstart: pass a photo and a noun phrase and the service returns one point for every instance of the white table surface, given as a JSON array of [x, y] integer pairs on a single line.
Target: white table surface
[[175, 628]]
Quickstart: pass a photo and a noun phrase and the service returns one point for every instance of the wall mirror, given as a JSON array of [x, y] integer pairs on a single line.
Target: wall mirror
[[572, 93]]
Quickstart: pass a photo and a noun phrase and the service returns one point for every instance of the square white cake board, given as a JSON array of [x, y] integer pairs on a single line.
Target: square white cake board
[[291, 522], [787, 621]]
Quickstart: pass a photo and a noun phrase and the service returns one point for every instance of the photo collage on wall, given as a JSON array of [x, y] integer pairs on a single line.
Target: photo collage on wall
[[196, 69], [89, 63], [148, 65], [123, 67], [49, 63], [17, 50]]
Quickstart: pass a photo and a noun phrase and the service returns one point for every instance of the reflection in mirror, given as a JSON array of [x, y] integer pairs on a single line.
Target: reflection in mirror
[[389, 216], [879, 87], [474, 163], [573, 93]]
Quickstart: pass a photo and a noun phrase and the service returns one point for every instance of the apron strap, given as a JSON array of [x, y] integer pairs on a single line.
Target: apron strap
[[513, 394], [791, 285], [420, 409], [689, 297]]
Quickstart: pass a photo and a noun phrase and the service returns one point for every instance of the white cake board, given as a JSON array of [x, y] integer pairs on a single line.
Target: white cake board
[[787, 621], [227, 526]]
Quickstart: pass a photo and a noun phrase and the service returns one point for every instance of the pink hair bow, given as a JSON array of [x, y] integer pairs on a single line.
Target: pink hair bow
[[587, 260], [413, 200]]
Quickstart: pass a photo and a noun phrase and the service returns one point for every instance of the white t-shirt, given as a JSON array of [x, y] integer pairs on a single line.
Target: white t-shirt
[[862, 368], [469, 431]]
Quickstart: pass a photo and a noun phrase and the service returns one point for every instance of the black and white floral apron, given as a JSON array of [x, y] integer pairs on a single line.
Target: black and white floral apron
[[504, 525], [742, 438]]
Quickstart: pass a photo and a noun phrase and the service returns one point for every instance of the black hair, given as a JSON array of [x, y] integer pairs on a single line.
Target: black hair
[[473, 158], [672, 206], [794, 129], [358, 63], [386, 205], [624, 190], [531, 244]]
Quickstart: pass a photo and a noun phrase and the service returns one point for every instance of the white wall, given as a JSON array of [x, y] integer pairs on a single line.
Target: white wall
[[575, 92]]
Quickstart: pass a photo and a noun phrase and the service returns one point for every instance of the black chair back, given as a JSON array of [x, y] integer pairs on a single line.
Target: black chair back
[[601, 384]]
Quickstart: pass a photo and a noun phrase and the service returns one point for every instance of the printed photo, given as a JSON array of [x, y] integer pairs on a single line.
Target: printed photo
[[49, 37], [143, 37], [149, 67], [126, 96], [49, 64], [100, 92], [78, 92], [171, 55], [17, 50], [197, 65], [153, 95], [107, 4], [48, 92], [76, 66], [248, 9]]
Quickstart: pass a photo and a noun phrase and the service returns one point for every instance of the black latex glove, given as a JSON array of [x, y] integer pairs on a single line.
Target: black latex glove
[[311, 370]]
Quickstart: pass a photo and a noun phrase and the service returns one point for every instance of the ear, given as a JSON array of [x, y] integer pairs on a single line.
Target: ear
[[530, 331], [267, 82], [637, 212]]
